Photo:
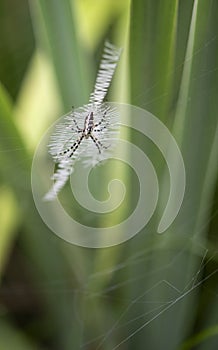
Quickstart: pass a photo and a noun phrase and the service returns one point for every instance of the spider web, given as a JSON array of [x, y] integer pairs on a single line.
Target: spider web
[[68, 144], [65, 147], [151, 302]]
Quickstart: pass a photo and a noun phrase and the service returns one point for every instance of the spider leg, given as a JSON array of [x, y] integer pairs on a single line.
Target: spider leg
[[101, 121], [75, 122], [75, 146], [64, 152], [72, 148], [97, 143], [77, 126], [100, 129]]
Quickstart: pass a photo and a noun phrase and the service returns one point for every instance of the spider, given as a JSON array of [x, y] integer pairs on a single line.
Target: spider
[[86, 132]]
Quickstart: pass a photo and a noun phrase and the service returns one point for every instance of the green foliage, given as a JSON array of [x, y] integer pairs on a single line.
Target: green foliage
[[153, 292]]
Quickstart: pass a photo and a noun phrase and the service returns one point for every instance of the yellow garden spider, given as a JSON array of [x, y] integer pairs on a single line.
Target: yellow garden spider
[[88, 131]]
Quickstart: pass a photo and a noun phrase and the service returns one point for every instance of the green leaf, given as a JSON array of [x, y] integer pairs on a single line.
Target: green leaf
[[12, 338], [13, 153], [200, 337], [9, 221], [55, 28]]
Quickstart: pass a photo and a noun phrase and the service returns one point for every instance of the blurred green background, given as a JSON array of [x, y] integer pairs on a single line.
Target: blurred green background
[[154, 291]]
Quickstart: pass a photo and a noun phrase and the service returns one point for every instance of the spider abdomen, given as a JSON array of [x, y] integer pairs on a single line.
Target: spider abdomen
[[88, 125]]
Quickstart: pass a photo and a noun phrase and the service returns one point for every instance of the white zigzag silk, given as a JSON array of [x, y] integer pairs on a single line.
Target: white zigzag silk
[[107, 67], [89, 132]]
